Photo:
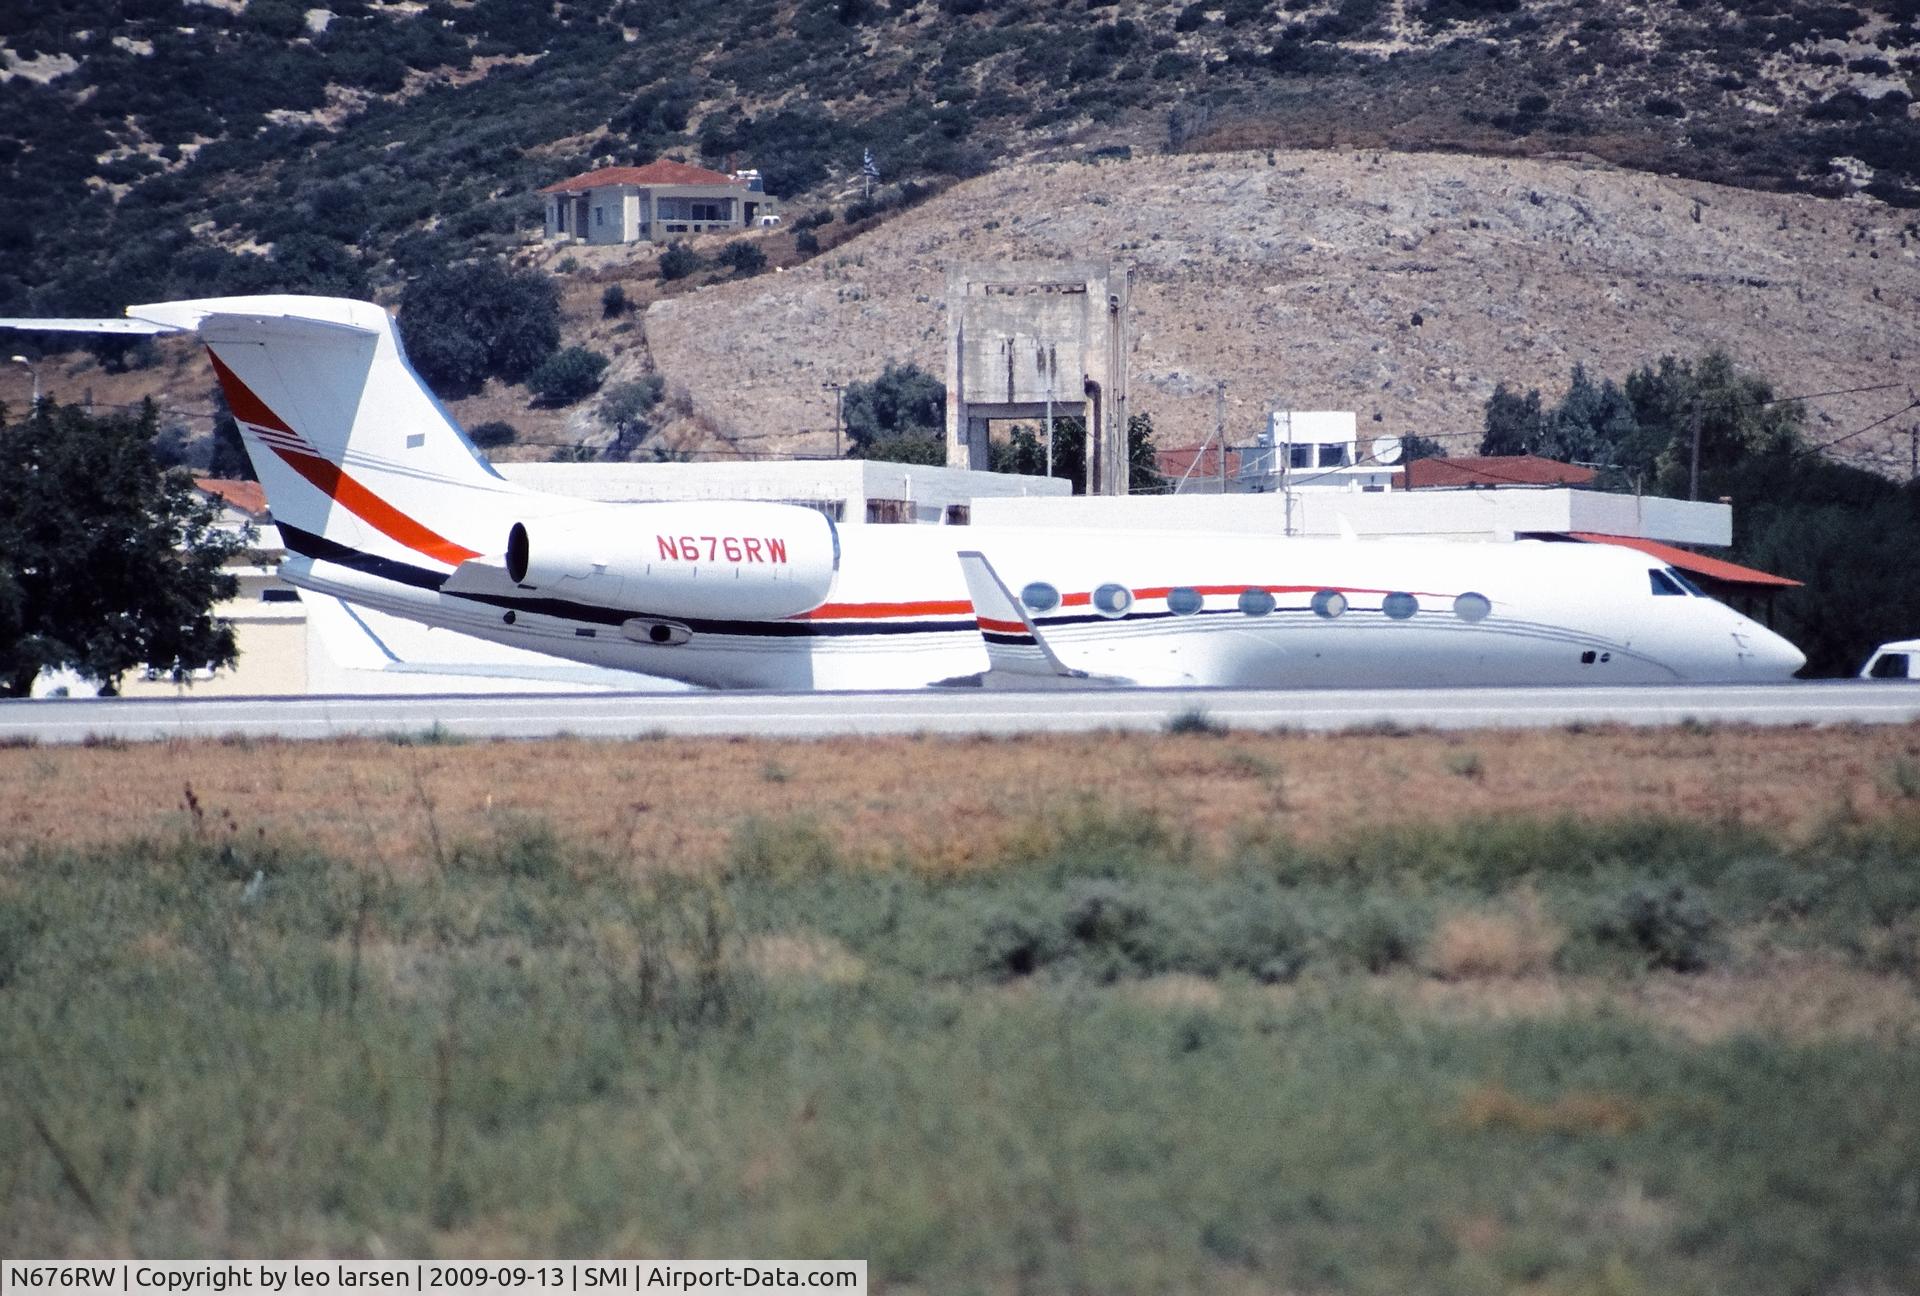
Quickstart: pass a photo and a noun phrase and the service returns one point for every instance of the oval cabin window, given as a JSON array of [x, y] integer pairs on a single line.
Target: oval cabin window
[[1256, 602], [1040, 597], [1472, 607]]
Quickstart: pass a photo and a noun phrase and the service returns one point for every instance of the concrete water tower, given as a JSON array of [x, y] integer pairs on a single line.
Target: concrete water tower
[[1026, 338]]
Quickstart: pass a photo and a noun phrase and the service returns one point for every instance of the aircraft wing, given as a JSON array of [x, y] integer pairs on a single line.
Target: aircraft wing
[[1018, 655]]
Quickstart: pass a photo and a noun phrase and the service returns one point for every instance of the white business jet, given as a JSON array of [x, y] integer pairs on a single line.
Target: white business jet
[[383, 501]]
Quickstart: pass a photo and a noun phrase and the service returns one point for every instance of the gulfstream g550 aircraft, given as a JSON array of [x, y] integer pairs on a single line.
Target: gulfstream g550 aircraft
[[383, 501]]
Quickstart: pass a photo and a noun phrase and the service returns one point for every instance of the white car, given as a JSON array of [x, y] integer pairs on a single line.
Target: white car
[[1894, 661]]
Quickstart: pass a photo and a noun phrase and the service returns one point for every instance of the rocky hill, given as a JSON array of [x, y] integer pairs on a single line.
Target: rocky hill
[[153, 148], [1399, 285]]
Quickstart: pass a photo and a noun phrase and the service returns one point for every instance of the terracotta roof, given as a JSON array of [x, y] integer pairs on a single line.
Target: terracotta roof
[[1492, 470], [653, 173], [1687, 561], [1195, 461], [243, 495]]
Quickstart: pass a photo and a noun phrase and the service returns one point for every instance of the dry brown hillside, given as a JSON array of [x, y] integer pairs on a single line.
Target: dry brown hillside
[[1403, 286]]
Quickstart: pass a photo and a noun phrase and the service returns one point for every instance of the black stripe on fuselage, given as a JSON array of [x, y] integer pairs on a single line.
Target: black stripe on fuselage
[[309, 545]]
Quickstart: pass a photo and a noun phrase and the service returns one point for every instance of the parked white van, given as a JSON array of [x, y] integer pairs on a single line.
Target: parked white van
[[1899, 660]]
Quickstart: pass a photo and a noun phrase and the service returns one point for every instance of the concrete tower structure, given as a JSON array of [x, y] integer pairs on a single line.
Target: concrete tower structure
[[1023, 338]]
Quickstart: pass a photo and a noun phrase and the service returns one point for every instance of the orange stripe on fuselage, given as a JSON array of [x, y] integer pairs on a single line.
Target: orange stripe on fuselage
[[829, 611], [1002, 627]]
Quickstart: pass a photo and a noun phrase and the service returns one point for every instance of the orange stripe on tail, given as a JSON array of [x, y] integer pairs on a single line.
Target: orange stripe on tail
[[332, 481]]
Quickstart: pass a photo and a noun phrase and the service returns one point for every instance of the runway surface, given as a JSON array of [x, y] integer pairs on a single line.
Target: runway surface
[[820, 715]]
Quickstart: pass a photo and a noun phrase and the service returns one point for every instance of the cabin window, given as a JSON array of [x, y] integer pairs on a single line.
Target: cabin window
[[1184, 601], [1664, 584], [1472, 607], [1040, 597], [1890, 666], [1399, 606], [1112, 600], [1256, 602], [1329, 604]]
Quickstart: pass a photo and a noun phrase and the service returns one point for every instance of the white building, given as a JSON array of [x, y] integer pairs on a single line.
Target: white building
[[654, 203]]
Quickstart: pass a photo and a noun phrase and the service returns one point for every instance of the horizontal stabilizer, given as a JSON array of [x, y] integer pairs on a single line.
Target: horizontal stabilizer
[[120, 326]]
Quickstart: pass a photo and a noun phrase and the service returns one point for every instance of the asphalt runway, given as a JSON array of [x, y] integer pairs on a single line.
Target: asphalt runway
[[821, 715]]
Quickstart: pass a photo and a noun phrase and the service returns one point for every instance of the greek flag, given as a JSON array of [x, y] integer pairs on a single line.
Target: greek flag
[[868, 167]]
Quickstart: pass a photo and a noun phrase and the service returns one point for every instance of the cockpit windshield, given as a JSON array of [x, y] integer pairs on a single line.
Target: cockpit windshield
[[1664, 583]]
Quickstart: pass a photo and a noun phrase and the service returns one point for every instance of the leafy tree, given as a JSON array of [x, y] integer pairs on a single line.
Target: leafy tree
[[106, 562], [230, 460], [901, 416], [466, 323], [1025, 451], [567, 376], [627, 406]]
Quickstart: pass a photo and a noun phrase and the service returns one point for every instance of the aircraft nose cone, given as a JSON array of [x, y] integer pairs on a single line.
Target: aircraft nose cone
[[1767, 655]]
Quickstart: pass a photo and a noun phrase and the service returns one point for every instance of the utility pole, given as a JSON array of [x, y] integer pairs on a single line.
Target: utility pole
[[33, 369], [1693, 480], [1220, 431], [838, 389], [1052, 366]]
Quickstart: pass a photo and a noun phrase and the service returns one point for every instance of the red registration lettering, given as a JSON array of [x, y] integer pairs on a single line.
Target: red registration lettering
[[753, 549], [713, 546], [731, 547], [689, 550], [776, 549], [668, 549]]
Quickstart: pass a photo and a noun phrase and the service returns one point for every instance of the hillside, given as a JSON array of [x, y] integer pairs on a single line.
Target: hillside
[[163, 147], [1398, 285]]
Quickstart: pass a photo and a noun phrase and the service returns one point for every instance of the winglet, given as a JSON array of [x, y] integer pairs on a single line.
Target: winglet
[[1014, 645]]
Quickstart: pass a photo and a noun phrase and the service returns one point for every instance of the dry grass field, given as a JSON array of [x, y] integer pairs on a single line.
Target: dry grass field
[[938, 804], [1609, 1011]]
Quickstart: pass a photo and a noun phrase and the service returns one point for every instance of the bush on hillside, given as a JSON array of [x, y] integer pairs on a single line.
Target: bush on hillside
[[679, 261], [497, 433], [567, 376]]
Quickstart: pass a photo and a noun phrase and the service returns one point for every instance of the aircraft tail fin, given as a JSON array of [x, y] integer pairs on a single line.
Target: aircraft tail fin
[[351, 447]]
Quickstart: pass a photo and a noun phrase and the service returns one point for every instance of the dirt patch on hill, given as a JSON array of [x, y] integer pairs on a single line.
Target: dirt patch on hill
[[1402, 286]]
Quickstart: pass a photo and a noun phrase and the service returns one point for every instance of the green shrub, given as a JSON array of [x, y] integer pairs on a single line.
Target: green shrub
[[494, 433], [679, 261], [613, 302], [744, 258], [1195, 720], [567, 376], [1672, 925]]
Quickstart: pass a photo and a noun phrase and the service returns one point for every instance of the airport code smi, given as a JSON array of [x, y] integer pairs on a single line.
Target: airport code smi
[[735, 549]]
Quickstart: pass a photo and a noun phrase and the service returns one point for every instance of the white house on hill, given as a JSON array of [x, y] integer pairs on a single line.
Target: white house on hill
[[652, 203]]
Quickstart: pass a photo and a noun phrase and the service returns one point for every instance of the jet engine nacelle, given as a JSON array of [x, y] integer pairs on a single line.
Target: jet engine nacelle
[[744, 561]]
